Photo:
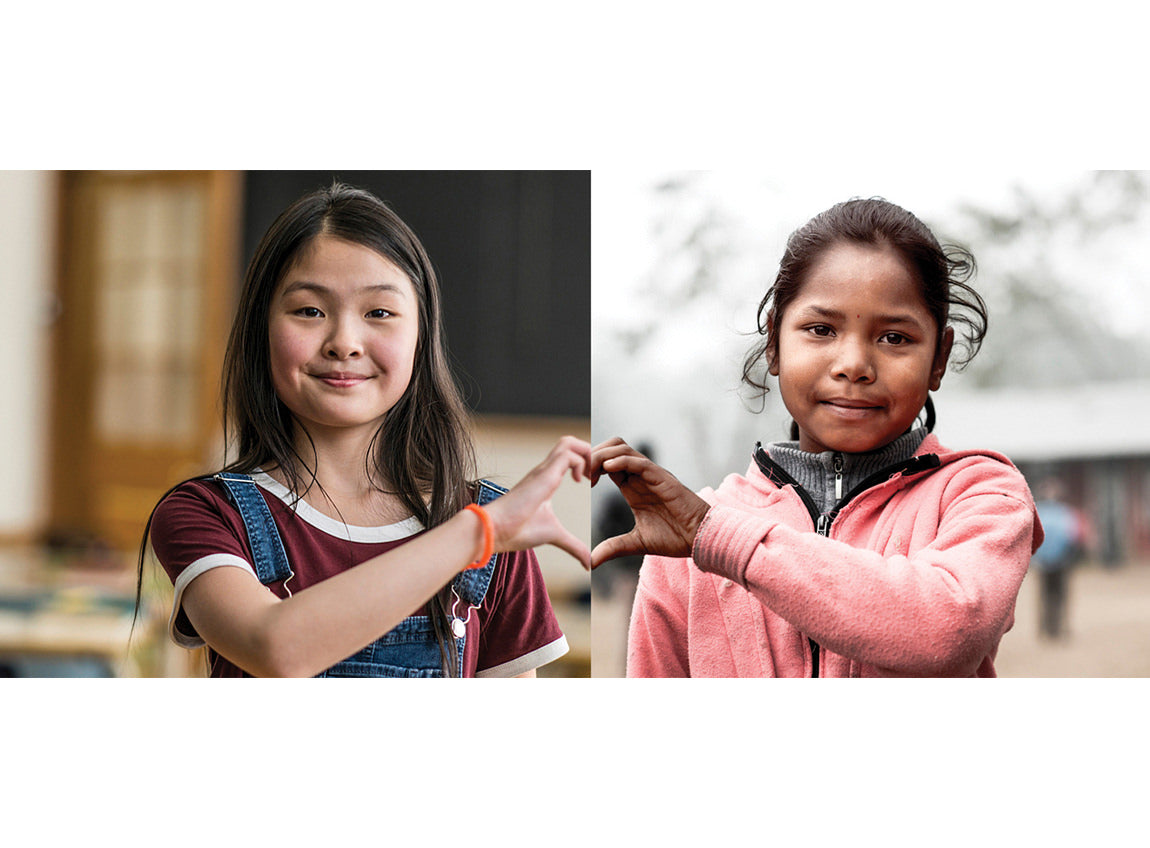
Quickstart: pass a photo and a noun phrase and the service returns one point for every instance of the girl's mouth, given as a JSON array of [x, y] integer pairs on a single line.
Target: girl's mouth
[[850, 407], [341, 379]]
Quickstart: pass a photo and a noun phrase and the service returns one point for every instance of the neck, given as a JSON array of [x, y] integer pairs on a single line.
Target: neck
[[343, 488], [337, 458]]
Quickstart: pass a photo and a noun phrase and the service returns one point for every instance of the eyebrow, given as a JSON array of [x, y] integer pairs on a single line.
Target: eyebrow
[[319, 288], [894, 318]]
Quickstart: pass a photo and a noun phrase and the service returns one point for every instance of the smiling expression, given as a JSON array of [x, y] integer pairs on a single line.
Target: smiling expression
[[858, 350], [343, 329]]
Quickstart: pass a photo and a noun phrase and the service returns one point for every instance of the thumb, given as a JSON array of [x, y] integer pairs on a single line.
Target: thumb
[[616, 546]]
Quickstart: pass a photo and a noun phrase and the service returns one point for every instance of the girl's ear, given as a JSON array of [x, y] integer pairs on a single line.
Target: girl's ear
[[941, 357]]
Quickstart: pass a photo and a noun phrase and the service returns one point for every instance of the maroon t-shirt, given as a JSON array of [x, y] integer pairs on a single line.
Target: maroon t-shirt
[[196, 529]]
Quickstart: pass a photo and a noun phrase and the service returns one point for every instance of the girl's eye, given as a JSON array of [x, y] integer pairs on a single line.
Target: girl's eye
[[308, 312], [894, 338], [379, 313], [820, 330]]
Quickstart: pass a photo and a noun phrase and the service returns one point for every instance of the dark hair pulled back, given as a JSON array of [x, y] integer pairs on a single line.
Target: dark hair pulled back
[[944, 272]]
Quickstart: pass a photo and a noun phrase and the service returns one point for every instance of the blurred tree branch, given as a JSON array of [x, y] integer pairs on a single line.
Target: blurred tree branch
[[1042, 270]]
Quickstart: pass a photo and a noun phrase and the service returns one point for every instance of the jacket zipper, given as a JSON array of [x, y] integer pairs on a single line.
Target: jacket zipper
[[823, 521], [824, 529]]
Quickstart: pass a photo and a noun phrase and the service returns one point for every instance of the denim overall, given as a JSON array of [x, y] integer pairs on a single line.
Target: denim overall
[[410, 649]]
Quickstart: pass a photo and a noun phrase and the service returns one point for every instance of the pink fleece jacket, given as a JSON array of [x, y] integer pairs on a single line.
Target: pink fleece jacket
[[918, 576]]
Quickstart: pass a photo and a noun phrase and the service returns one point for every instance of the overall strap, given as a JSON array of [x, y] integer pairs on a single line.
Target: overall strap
[[268, 555], [471, 585]]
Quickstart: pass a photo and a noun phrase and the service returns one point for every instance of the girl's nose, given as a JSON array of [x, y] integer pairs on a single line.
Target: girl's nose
[[343, 342], [853, 362]]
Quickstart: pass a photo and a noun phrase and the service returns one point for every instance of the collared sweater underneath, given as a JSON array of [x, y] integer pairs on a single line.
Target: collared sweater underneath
[[815, 472]]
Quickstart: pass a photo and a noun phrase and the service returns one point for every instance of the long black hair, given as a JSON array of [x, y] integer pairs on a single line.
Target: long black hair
[[944, 272], [423, 450]]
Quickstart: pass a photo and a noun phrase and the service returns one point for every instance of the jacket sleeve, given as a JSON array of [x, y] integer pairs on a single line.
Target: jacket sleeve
[[939, 610], [657, 640]]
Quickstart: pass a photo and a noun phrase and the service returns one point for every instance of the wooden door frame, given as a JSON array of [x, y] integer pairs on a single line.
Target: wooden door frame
[[72, 407]]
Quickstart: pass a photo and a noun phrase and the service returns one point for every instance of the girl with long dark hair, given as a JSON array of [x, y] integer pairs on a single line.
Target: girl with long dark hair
[[350, 536]]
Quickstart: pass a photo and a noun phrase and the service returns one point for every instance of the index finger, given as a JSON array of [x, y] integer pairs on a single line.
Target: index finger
[[608, 450]]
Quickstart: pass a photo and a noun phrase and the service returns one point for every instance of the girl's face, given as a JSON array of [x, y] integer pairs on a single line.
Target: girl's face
[[857, 350], [343, 328]]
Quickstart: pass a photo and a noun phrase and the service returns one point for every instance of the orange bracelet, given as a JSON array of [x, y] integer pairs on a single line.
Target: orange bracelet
[[488, 535]]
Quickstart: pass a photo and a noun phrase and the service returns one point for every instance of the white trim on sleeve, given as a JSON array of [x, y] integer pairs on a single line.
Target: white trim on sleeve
[[207, 563], [539, 657]]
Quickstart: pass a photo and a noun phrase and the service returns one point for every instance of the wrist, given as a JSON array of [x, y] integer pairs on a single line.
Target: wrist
[[695, 521], [726, 541], [486, 535]]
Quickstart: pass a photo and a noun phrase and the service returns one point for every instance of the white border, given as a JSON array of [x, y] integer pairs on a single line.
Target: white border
[[539, 657], [207, 563]]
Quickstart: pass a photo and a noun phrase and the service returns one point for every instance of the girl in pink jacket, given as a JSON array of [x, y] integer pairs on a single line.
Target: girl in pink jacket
[[862, 547]]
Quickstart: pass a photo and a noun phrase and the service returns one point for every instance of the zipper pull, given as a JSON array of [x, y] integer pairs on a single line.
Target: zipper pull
[[823, 528], [838, 463]]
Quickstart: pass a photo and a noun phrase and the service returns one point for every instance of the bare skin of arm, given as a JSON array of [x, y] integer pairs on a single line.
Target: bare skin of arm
[[317, 627]]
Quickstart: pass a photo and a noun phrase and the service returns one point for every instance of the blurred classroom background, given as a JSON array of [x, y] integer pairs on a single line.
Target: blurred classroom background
[[121, 287], [1061, 385]]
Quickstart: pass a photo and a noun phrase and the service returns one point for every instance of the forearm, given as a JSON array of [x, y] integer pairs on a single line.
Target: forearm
[[323, 624], [936, 611]]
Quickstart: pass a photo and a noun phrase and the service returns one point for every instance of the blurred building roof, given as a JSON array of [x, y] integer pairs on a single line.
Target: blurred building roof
[[1078, 422]]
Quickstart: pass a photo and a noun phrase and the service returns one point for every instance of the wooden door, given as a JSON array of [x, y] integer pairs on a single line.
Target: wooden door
[[148, 265]]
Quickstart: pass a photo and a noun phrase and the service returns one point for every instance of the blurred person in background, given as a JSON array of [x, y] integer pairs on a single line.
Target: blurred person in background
[[1061, 550]]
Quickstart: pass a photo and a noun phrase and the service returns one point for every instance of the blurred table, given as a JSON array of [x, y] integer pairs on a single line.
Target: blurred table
[[61, 619]]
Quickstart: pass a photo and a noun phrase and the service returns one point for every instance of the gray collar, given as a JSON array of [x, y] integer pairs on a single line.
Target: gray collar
[[815, 472]]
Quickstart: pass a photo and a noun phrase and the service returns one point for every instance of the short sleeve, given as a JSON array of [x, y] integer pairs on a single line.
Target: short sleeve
[[192, 532], [518, 630]]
